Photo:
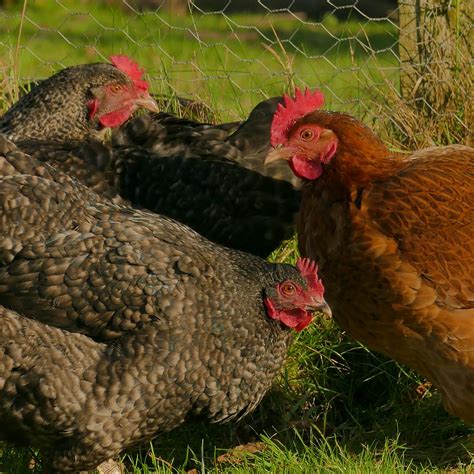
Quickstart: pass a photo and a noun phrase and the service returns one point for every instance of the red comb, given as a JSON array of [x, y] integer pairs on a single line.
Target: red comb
[[292, 110], [131, 69], [309, 270]]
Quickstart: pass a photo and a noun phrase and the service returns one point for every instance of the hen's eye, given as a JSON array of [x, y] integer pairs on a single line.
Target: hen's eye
[[288, 289], [115, 88], [306, 134]]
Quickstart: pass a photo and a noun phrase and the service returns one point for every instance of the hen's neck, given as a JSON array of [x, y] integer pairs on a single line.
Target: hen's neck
[[357, 167], [361, 155], [44, 114]]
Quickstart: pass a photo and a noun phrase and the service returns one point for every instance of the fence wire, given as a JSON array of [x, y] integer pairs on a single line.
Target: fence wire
[[381, 61]]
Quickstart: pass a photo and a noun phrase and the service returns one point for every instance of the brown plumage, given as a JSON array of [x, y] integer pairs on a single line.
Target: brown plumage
[[171, 323], [393, 236]]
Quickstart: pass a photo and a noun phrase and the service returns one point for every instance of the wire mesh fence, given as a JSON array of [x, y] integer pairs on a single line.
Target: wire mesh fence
[[403, 67]]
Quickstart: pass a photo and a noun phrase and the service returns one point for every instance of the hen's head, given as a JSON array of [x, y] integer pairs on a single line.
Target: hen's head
[[306, 145], [78, 101], [295, 294], [114, 101]]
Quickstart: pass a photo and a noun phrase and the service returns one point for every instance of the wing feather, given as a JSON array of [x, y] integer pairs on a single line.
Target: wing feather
[[427, 208]]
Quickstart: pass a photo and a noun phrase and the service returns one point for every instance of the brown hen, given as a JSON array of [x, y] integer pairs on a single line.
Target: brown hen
[[393, 236]]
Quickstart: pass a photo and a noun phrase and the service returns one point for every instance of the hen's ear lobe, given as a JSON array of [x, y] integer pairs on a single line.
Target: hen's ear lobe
[[270, 307], [326, 133], [92, 107]]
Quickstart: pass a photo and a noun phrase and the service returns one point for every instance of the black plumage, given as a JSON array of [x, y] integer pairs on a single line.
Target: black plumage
[[202, 175], [246, 143]]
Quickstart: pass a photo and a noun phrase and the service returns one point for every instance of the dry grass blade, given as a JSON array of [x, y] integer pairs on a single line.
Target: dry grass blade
[[434, 104], [284, 60], [237, 454]]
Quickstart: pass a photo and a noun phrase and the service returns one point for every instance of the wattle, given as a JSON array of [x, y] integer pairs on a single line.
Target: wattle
[[115, 118], [296, 318], [306, 169]]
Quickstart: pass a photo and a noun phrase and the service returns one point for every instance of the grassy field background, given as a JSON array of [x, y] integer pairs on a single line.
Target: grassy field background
[[221, 60], [336, 407]]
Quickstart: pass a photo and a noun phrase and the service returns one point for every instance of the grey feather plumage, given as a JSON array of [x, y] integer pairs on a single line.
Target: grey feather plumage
[[129, 321]]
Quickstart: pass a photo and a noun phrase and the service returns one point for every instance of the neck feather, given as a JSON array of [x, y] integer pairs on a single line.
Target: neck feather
[[361, 156]]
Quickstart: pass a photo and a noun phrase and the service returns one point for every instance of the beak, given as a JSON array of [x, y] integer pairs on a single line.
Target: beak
[[279, 153], [322, 307], [147, 102]]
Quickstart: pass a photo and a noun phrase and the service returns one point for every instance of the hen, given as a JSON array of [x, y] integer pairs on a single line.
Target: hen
[[393, 236], [246, 143], [82, 263], [195, 327], [214, 182], [79, 102]]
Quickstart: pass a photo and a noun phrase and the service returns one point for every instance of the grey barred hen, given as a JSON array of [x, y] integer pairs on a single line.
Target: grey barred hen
[[210, 177], [79, 102], [195, 327]]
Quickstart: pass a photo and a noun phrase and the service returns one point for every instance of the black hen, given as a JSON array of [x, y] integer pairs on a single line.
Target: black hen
[[199, 174], [246, 143]]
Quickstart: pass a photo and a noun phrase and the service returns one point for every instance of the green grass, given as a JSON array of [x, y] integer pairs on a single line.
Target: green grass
[[222, 60], [336, 407]]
